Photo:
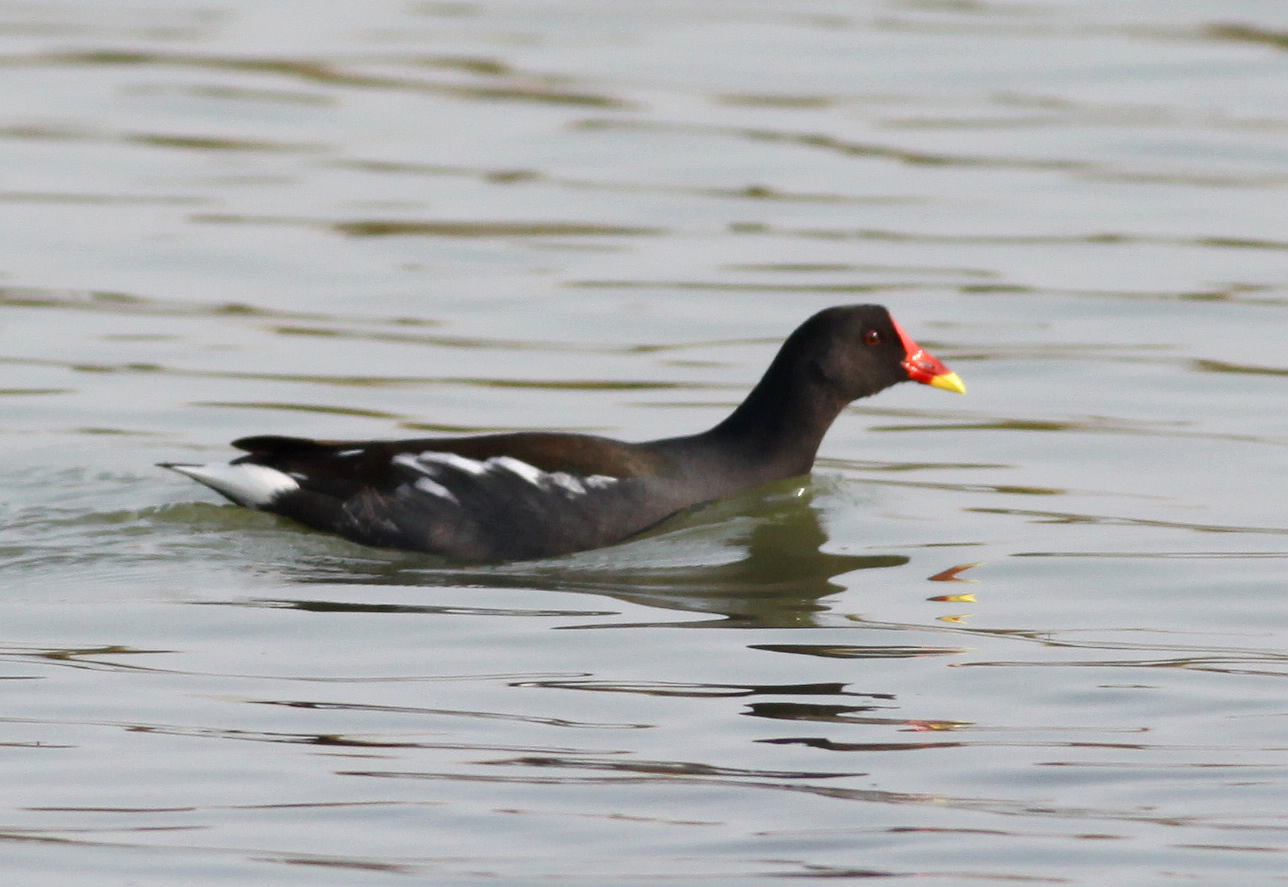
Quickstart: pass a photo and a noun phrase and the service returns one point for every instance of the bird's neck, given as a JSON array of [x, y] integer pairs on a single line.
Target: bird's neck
[[780, 425], [773, 434]]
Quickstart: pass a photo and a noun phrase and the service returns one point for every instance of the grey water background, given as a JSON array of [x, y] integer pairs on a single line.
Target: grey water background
[[1036, 634]]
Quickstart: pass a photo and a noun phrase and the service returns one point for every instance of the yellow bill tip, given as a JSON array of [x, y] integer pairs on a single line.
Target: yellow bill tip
[[948, 382]]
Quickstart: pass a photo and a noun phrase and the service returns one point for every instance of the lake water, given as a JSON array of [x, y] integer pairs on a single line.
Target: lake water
[[1036, 634]]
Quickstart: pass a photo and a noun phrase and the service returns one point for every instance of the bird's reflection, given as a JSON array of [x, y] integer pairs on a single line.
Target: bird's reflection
[[754, 561]]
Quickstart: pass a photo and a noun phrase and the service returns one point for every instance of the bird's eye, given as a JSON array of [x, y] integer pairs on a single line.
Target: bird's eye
[[872, 337]]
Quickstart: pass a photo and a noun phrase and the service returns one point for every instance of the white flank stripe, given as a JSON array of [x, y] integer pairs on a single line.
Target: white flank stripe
[[434, 488], [528, 472], [569, 482], [431, 463], [251, 485], [450, 460]]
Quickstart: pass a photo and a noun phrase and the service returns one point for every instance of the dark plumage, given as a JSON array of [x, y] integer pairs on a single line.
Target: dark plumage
[[526, 495]]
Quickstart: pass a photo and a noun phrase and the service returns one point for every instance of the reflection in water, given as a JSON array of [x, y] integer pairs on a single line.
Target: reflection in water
[[756, 561]]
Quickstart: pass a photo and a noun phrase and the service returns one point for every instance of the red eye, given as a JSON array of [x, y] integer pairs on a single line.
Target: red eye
[[872, 337]]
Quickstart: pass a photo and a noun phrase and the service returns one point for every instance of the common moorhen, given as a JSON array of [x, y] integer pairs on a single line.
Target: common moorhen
[[526, 495]]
